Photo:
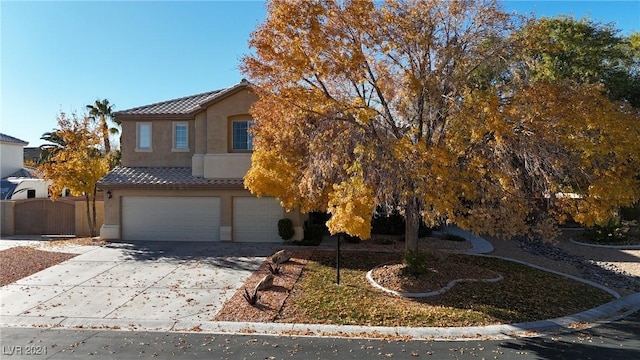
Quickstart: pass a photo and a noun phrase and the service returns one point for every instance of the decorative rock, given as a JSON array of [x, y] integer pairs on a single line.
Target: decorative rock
[[280, 257], [601, 272], [265, 283]]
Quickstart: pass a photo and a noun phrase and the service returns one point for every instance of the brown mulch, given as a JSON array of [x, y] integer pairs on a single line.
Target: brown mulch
[[19, 262], [271, 300], [395, 277]]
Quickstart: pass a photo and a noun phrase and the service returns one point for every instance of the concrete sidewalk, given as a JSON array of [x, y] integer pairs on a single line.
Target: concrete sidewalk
[[171, 286]]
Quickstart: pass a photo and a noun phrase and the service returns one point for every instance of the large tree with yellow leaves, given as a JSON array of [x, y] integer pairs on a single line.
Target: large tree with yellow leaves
[[424, 107], [75, 162]]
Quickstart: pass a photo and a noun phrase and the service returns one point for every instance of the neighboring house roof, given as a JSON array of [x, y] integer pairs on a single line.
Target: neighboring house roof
[[10, 139], [173, 178], [180, 107], [25, 172]]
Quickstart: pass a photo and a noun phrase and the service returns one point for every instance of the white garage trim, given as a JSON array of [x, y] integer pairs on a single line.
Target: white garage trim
[[256, 219], [168, 218]]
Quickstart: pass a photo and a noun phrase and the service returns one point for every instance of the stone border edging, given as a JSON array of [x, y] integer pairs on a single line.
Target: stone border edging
[[582, 280], [430, 293], [616, 247], [446, 288]]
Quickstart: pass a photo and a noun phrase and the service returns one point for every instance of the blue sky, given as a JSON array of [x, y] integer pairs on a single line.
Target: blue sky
[[64, 55]]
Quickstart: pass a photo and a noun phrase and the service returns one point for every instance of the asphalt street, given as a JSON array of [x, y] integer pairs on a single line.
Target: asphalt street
[[618, 340]]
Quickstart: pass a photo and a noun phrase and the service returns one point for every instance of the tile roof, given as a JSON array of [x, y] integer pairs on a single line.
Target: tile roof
[[170, 178], [184, 106], [26, 172], [11, 139], [181, 106]]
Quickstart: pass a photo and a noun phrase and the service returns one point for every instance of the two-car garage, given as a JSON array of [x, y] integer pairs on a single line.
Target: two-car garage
[[191, 218]]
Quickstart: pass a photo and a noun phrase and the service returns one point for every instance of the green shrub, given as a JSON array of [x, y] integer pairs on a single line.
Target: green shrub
[[285, 229], [611, 232], [417, 262]]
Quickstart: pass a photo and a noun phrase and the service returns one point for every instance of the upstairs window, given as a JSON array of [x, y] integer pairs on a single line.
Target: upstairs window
[[180, 136], [241, 137], [143, 137]]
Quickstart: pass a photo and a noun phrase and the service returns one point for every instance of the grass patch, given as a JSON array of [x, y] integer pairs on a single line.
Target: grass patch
[[525, 294]]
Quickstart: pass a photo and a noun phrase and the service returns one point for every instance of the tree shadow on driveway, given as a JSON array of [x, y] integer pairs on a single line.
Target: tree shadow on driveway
[[238, 256]]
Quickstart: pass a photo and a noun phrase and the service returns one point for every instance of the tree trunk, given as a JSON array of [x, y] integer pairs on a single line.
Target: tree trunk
[[94, 224], [91, 218], [412, 224], [105, 135], [86, 202]]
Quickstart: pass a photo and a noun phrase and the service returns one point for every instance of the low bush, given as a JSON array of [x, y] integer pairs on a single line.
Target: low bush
[[417, 262], [612, 232], [285, 229]]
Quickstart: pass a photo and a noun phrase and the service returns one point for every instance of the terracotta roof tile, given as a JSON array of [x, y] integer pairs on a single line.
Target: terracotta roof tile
[[181, 106], [184, 105], [176, 178]]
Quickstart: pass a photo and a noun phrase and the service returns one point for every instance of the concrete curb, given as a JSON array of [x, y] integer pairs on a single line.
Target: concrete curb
[[615, 247], [607, 312]]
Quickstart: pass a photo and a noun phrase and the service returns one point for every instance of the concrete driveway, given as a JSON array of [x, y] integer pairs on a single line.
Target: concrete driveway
[[145, 285]]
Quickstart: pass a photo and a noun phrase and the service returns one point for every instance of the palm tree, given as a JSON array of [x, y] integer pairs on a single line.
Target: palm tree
[[56, 142], [102, 110]]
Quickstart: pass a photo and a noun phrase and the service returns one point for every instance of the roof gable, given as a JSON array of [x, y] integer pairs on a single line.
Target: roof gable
[[10, 139], [180, 107]]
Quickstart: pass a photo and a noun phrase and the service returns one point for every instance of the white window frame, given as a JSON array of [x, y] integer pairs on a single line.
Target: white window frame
[[174, 147], [250, 123], [139, 127]]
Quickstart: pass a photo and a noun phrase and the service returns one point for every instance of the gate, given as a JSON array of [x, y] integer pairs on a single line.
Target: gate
[[44, 217]]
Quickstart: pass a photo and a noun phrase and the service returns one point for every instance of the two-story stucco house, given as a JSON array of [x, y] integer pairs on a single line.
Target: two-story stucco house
[[181, 178]]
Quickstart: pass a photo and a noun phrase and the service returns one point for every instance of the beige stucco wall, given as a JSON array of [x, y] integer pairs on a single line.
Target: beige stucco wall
[[219, 116], [161, 153], [226, 166], [209, 133]]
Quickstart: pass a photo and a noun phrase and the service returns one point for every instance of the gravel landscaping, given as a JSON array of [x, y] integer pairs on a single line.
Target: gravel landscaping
[[19, 262]]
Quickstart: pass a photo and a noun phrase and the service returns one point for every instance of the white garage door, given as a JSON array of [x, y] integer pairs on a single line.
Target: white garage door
[[256, 219], [171, 218]]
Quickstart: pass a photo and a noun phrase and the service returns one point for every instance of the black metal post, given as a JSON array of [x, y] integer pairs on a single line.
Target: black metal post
[[338, 261]]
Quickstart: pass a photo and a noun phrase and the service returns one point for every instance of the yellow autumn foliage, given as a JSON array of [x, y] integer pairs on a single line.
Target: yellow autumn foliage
[[408, 106], [77, 164], [351, 206]]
